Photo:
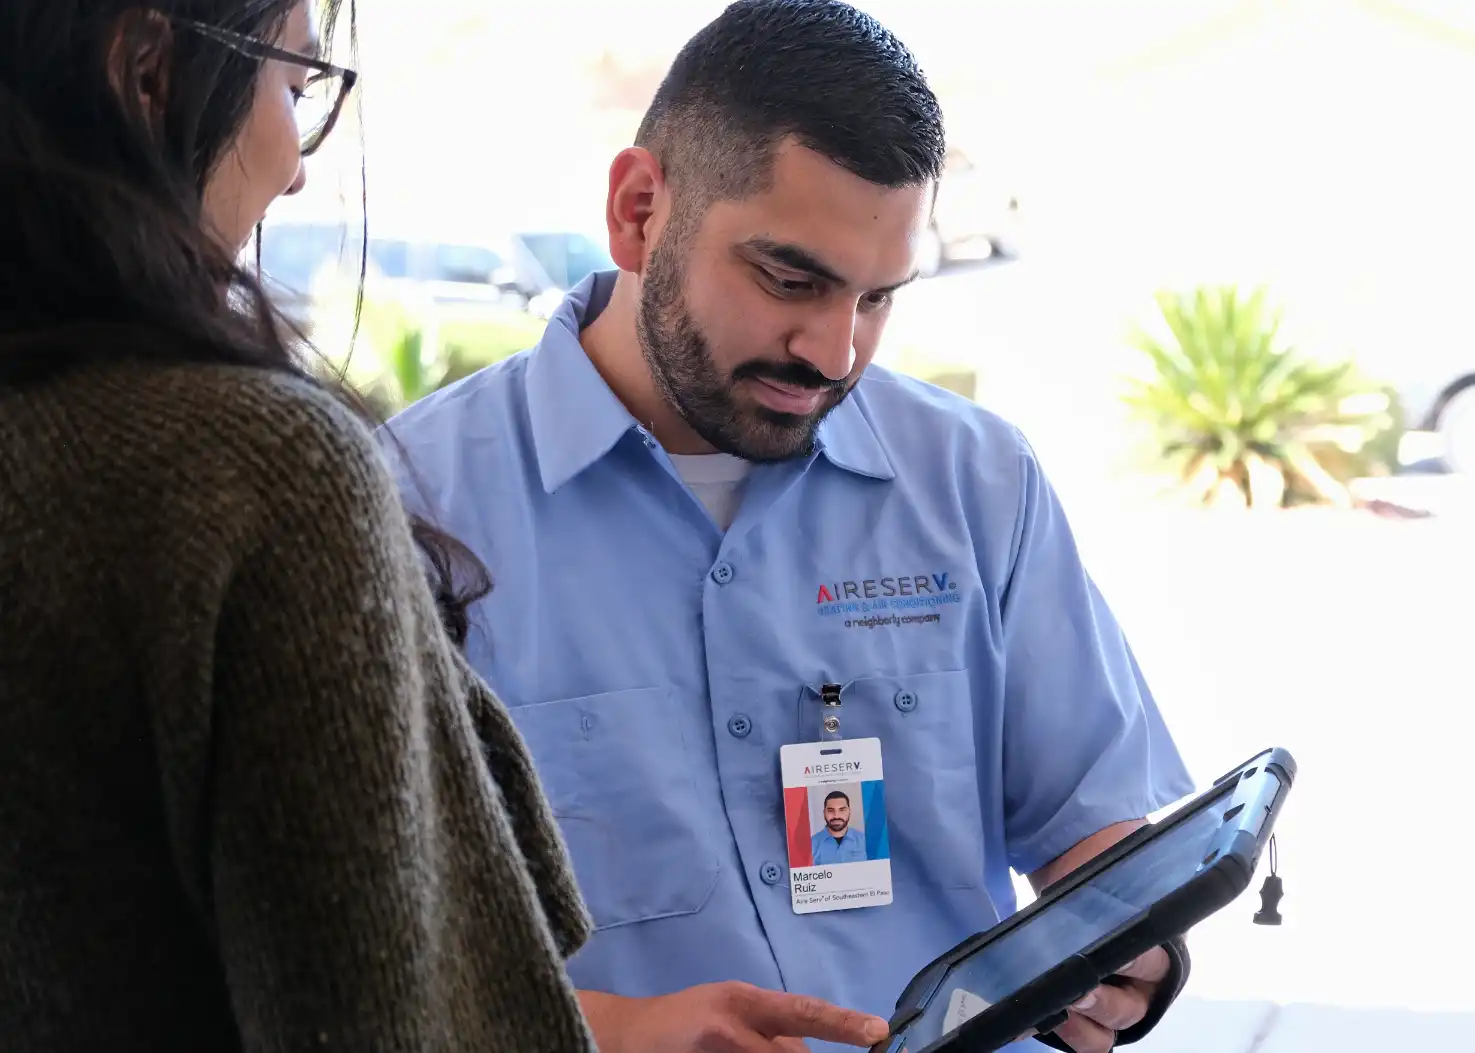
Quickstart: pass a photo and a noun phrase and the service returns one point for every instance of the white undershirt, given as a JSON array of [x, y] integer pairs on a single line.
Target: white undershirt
[[717, 479]]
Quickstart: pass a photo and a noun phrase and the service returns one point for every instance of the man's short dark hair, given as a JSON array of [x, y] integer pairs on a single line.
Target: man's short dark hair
[[838, 795], [819, 71]]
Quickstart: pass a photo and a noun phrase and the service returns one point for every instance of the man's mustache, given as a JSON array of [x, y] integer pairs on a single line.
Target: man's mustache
[[793, 374]]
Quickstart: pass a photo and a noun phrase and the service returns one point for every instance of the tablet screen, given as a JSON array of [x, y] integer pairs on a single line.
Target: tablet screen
[[1079, 919]]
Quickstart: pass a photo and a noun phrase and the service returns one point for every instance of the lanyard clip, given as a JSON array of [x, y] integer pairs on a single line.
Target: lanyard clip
[[829, 696]]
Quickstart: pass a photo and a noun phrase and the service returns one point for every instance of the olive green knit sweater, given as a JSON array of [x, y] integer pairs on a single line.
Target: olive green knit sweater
[[250, 798]]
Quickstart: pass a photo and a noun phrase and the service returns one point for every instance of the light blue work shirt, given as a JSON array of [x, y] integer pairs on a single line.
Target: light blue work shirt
[[655, 664], [829, 849]]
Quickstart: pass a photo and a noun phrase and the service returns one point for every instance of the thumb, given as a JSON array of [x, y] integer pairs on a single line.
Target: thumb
[[778, 1014]]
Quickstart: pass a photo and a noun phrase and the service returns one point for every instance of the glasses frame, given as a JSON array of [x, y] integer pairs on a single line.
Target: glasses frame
[[253, 48]]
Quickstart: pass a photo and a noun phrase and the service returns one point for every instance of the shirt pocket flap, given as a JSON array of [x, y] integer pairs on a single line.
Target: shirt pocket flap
[[613, 768]]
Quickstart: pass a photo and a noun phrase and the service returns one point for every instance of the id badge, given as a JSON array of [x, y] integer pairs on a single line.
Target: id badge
[[835, 811]]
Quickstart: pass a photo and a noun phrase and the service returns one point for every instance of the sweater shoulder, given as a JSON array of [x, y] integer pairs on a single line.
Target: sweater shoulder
[[228, 448], [257, 423]]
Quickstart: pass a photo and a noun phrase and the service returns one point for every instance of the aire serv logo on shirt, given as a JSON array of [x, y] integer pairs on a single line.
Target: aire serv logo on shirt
[[888, 600]]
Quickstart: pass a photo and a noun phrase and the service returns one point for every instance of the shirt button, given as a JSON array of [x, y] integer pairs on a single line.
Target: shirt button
[[906, 701], [723, 573], [739, 725], [771, 874]]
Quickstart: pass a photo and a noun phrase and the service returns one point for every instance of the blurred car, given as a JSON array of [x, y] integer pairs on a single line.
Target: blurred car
[[528, 269], [1443, 403], [1402, 319], [294, 256], [1409, 333], [547, 264], [975, 217]]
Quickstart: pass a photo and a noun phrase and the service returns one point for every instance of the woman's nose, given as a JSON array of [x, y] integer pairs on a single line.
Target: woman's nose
[[300, 180]]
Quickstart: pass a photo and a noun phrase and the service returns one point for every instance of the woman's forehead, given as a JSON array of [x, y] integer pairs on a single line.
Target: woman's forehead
[[301, 32]]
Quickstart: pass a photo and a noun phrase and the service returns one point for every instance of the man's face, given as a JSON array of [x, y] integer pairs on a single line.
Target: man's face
[[758, 318], [837, 815]]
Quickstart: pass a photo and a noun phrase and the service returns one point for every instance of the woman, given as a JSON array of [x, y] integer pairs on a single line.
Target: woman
[[249, 797]]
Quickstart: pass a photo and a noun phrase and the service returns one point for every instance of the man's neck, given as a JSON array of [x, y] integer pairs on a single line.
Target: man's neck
[[613, 347]]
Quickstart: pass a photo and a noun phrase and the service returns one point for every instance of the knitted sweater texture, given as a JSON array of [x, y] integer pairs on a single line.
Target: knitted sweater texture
[[251, 799]]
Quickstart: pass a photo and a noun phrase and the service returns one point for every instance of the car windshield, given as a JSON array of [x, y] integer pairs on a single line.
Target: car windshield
[[568, 258], [293, 254], [390, 257], [465, 263]]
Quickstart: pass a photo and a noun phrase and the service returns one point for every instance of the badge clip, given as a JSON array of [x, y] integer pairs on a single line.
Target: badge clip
[[829, 696]]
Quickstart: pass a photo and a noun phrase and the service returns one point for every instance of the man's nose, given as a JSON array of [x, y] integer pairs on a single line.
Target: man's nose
[[827, 340]]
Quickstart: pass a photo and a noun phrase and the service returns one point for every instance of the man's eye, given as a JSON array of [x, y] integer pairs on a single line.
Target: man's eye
[[875, 301], [789, 286]]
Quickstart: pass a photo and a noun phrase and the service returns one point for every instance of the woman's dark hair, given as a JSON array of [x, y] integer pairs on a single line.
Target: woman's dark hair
[[102, 232]]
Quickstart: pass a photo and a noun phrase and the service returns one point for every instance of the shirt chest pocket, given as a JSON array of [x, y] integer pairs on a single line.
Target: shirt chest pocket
[[930, 762], [612, 768]]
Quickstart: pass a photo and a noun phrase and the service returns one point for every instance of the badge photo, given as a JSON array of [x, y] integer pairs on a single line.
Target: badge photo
[[835, 811]]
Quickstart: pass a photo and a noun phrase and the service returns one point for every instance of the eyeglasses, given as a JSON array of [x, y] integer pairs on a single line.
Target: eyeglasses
[[321, 99]]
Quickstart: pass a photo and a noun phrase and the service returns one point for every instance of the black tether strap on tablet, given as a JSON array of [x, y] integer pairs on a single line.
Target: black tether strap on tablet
[[1168, 991]]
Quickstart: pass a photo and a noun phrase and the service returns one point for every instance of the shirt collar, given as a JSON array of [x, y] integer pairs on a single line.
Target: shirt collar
[[561, 377], [575, 417], [847, 440]]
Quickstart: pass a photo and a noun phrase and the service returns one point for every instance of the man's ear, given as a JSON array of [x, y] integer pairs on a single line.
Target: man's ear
[[138, 62], [638, 207]]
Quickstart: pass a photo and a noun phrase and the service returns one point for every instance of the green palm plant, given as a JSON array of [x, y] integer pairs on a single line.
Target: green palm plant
[[407, 366], [426, 352], [1242, 415]]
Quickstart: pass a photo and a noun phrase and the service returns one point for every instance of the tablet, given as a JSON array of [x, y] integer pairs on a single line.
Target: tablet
[[1155, 885]]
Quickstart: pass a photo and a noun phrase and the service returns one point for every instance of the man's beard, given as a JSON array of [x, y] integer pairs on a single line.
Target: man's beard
[[681, 363], [836, 826]]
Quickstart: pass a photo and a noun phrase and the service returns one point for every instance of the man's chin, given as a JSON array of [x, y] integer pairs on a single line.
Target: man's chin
[[767, 436], [765, 451]]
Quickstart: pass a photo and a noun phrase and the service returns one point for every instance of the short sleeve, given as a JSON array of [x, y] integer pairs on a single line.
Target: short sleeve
[[1084, 744]]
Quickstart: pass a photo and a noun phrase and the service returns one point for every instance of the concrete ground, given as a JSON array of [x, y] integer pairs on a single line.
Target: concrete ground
[[1198, 1026]]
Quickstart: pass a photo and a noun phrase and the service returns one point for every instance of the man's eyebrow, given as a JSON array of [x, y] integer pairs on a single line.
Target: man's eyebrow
[[795, 258], [798, 259], [904, 282]]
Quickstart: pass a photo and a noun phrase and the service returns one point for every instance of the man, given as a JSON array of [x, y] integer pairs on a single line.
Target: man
[[703, 509], [837, 843]]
